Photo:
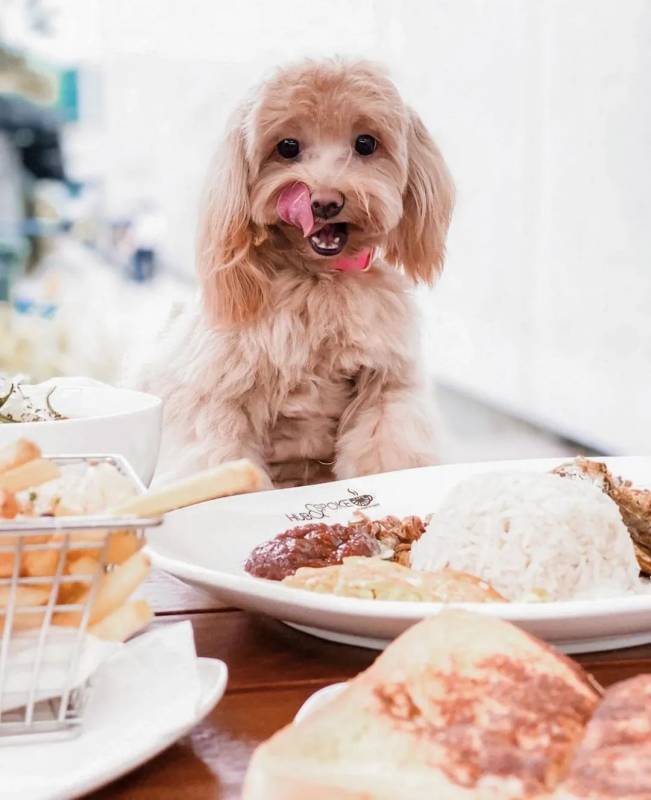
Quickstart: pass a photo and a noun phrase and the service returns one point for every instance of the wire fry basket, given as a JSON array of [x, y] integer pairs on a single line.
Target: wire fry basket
[[42, 640]]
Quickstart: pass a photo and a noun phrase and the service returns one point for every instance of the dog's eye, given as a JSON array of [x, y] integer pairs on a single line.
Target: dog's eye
[[288, 148], [365, 144]]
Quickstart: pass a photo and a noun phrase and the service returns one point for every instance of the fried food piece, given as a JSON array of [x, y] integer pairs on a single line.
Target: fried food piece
[[25, 596], [121, 624], [114, 589], [376, 579], [634, 504], [111, 616], [33, 473], [87, 568], [232, 477], [18, 453], [120, 546], [40, 563], [34, 557], [8, 505]]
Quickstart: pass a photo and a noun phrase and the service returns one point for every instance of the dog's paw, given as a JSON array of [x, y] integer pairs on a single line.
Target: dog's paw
[[265, 481]]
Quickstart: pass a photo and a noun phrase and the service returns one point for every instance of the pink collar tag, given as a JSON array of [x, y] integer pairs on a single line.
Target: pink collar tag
[[359, 263]]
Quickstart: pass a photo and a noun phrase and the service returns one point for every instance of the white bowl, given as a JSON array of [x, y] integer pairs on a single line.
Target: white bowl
[[102, 419]]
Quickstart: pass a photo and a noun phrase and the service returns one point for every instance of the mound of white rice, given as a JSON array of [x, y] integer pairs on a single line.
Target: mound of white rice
[[532, 535]]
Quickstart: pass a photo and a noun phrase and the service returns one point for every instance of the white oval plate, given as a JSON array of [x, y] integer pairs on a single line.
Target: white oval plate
[[207, 545], [118, 757]]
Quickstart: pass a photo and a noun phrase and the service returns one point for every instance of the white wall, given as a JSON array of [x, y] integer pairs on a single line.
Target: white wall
[[542, 110], [544, 308], [165, 74]]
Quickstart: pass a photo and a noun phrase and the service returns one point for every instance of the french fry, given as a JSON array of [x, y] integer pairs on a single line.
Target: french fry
[[64, 511], [25, 595], [40, 563], [111, 616], [123, 622], [35, 596], [18, 453], [234, 477], [85, 565], [115, 587], [72, 593], [79, 535], [8, 505], [24, 620], [7, 559], [121, 545], [33, 473], [76, 592]]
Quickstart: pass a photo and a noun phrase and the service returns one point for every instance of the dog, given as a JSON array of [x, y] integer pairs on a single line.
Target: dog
[[328, 201]]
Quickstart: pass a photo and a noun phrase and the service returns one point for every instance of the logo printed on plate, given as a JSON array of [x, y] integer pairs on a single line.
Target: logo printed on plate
[[324, 510]]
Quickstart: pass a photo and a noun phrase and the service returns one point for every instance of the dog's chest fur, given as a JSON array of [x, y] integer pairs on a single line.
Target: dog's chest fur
[[322, 336], [306, 410], [279, 389]]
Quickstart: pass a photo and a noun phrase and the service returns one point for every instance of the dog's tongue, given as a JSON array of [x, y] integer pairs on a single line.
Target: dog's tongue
[[294, 206]]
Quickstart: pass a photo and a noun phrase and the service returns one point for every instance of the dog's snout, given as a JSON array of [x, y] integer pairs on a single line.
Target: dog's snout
[[327, 203]]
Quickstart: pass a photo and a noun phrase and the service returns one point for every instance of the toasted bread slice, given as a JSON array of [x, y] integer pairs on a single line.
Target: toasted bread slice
[[614, 760], [462, 706]]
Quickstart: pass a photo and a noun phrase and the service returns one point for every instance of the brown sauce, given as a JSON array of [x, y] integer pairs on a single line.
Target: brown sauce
[[313, 545]]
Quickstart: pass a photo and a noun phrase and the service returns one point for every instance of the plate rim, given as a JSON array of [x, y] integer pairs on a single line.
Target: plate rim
[[397, 609]]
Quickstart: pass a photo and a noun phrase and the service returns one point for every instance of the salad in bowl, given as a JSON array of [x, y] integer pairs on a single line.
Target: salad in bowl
[[78, 416]]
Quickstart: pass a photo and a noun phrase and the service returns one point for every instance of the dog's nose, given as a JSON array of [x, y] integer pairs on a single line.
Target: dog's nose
[[327, 203]]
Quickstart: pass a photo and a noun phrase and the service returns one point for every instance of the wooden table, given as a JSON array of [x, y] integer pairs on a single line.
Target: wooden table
[[273, 670]]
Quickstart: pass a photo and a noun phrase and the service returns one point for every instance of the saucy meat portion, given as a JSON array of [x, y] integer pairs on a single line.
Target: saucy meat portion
[[313, 545]]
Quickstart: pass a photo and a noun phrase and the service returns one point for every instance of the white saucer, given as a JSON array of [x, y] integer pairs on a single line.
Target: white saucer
[[318, 699], [114, 760]]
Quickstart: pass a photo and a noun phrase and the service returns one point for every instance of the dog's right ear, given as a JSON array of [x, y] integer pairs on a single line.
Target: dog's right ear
[[232, 283]]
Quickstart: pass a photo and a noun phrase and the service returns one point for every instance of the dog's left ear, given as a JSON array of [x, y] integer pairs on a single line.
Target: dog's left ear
[[417, 244]]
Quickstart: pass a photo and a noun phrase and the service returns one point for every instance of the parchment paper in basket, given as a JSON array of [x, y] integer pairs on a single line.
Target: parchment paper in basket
[[55, 663]]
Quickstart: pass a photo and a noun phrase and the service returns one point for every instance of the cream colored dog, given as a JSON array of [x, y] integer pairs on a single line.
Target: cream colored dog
[[328, 201]]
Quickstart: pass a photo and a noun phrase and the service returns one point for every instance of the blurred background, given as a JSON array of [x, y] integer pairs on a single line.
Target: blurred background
[[539, 332]]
